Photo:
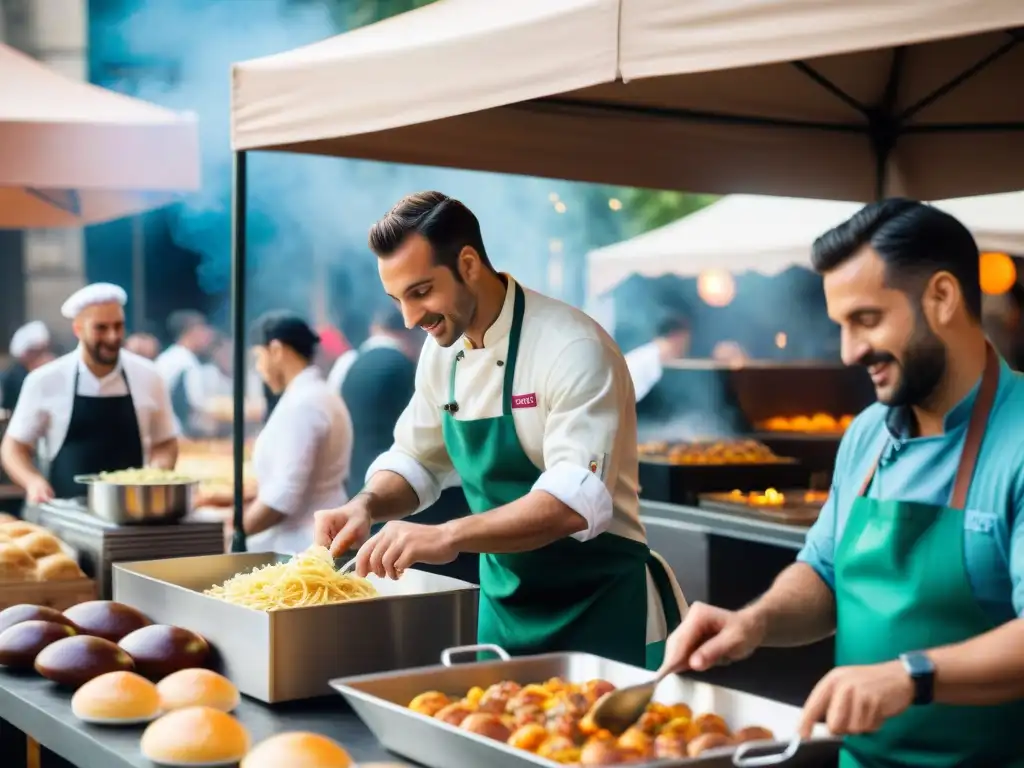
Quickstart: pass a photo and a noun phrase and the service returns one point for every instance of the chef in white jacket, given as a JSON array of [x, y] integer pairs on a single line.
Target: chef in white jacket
[[99, 408], [647, 362], [301, 457], [530, 402]]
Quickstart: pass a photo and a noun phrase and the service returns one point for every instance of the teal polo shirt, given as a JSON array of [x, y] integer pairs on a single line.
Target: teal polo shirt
[[922, 469]]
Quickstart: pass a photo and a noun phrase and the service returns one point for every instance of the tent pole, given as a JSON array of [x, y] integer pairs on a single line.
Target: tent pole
[[238, 246]]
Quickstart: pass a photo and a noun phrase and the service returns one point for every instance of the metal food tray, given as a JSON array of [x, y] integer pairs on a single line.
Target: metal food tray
[[381, 701], [290, 654]]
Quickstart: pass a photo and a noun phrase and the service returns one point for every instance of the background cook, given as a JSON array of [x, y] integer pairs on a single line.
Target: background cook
[[917, 560], [96, 409], [530, 402], [30, 348], [301, 457]]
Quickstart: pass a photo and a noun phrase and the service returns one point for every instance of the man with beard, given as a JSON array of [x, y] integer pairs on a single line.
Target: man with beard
[[97, 409], [531, 404], [916, 563]]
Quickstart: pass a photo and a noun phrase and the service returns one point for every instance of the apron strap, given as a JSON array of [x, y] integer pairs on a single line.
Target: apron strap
[[518, 309], [980, 411]]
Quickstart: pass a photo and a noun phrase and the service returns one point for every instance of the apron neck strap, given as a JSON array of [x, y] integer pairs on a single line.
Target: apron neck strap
[[980, 411], [518, 310]]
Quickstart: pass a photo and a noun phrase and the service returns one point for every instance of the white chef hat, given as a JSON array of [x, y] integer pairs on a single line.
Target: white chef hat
[[97, 293], [30, 336]]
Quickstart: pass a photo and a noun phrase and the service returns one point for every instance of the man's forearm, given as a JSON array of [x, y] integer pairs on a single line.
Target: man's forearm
[[798, 609], [16, 458], [258, 517], [388, 496], [164, 455], [985, 670], [532, 522]]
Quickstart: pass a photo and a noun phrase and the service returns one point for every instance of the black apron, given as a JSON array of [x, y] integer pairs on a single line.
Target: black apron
[[103, 436]]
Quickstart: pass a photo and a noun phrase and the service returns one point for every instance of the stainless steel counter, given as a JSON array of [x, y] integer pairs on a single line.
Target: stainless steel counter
[[34, 706], [736, 526]]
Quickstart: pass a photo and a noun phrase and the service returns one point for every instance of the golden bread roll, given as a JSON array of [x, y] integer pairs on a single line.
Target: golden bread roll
[[195, 736], [19, 528], [297, 750], [706, 741], [5, 518], [39, 544], [16, 564], [197, 688], [58, 567], [115, 697]]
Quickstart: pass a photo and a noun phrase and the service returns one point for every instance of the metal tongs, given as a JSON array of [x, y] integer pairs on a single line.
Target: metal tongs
[[347, 567]]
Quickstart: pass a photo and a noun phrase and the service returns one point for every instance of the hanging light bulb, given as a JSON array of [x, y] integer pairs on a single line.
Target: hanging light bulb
[[998, 273], [781, 340], [560, 207], [615, 204], [716, 287]]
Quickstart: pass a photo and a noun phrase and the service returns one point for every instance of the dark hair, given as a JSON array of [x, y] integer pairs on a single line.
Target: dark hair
[[672, 324], [287, 328], [913, 239], [182, 321], [448, 225]]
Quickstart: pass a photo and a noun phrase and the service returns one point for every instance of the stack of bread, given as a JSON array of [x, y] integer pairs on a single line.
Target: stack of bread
[[31, 553]]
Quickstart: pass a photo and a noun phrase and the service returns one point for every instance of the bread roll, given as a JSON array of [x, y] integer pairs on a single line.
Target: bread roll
[[116, 697], [195, 736], [58, 567], [20, 528], [16, 614], [160, 650], [39, 544], [106, 619], [297, 750], [197, 688], [16, 564], [74, 661]]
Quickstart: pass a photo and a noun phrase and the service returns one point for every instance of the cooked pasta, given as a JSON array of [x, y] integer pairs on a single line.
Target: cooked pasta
[[144, 476], [308, 578]]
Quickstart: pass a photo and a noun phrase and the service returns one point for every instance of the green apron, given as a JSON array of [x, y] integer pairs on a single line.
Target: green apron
[[901, 586], [570, 595]]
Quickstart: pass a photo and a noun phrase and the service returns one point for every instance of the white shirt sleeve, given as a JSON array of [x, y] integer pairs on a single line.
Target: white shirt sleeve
[[296, 435], [195, 386], [30, 420], [163, 425], [645, 368], [419, 454], [584, 398]]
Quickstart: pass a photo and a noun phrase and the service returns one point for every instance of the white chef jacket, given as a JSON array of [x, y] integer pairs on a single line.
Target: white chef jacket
[[580, 429], [301, 461], [645, 368], [43, 412]]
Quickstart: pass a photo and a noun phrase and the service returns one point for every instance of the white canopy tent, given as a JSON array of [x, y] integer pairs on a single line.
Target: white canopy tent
[[742, 233], [809, 98], [73, 154]]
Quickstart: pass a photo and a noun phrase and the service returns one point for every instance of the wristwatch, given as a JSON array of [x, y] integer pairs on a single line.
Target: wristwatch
[[922, 674]]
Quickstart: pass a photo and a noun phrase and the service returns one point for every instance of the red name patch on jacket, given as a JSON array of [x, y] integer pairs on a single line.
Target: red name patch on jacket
[[525, 401]]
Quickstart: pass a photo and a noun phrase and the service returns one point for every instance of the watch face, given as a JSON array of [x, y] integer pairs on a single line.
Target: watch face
[[918, 664]]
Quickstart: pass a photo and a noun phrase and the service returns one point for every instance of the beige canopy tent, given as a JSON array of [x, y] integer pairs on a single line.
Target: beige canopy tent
[[73, 154], [809, 98], [744, 233]]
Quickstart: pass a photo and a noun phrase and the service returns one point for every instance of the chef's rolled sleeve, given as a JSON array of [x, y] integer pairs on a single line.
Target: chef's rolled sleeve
[[30, 419], [283, 488], [820, 545], [419, 454], [584, 397]]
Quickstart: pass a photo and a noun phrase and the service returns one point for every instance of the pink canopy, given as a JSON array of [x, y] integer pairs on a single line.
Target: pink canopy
[[72, 153]]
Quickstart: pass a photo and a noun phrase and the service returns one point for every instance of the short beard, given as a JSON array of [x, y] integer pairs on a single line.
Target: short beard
[[923, 367]]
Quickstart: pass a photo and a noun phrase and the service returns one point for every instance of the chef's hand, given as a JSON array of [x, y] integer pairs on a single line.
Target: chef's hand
[[858, 699], [711, 636], [400, 545], [38, 491], [342, 528]]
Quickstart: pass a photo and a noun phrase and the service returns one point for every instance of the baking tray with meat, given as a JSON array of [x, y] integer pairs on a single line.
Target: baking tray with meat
[[383, 701], [798, 507]]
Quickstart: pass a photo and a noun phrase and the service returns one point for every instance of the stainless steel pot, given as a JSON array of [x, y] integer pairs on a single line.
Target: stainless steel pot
[[124, 504]]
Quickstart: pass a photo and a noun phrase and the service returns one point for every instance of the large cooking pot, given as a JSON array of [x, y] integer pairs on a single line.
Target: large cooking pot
[[125, 503]]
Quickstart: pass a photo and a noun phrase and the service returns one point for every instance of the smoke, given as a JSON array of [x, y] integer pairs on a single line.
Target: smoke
[[308, 216]]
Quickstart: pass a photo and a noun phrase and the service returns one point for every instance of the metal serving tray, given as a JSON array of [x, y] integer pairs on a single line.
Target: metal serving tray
[[287, 655], [381, 701]]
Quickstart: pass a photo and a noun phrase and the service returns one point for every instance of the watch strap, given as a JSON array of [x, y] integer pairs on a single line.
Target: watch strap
[[922, 674]]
